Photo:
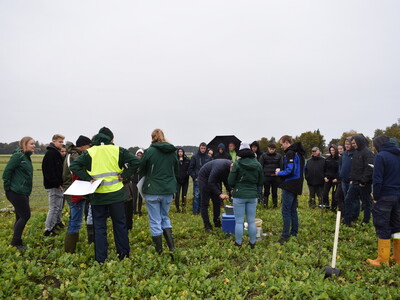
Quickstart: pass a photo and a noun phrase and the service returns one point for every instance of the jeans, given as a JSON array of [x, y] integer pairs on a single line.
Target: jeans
[[100, 215], [22, 214], [196, 198], [352, 203], [75, 216], [240, 208], [56, 201], [345, 188], [205, 203], [158, 209], [386, 216], [289, 214]]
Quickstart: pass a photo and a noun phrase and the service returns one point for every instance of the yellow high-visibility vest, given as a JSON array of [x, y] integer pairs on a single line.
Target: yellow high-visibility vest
[[105, 165]]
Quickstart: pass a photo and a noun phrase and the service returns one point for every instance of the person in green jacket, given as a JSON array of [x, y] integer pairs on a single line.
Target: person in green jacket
[[18, 177], [160, 166], [112, 164], [245, 178]]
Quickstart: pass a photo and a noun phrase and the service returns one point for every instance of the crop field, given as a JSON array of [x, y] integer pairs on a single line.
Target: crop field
[[206, 265]]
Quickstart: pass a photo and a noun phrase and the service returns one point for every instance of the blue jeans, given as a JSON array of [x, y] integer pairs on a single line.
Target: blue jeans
[[240, 208], [75, 216], [386, 215], [100, 215], [158, 209], [196, 198], [356, 193], [289, 214], [345, 188]]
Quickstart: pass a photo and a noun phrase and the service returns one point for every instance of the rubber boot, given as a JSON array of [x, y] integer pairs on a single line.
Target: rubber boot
[[383, 254], [396, 251], [70, 242], [90, 233], [265, 202], [169, 238], [157, 240]]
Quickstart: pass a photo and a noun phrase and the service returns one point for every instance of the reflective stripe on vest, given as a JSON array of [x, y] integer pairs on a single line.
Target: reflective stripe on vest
[[105, 165]]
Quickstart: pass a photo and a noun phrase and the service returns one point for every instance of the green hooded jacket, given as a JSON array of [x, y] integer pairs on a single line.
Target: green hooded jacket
[[246, 175], [160, 166], [18, 174]]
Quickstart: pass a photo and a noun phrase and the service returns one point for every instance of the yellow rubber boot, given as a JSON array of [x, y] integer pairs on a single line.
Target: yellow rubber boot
[[383, 254], [396, 251]]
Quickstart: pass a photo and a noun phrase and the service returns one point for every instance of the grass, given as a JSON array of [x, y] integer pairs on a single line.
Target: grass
[[206, 266]]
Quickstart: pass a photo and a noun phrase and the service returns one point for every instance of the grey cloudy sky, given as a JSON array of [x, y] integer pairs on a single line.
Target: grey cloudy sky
[[197, 68]]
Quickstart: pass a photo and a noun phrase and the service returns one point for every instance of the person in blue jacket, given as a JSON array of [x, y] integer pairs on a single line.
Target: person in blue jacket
[[386, 192]]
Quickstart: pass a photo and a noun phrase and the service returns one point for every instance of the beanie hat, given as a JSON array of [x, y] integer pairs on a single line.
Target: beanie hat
[[139, 151], [107, 132], [244, 145], [83, 141], [379, 141]]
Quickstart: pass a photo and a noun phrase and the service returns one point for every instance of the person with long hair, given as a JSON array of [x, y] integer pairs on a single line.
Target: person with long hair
[[182, 179], [331, 175], [18, 178], [160, 166]]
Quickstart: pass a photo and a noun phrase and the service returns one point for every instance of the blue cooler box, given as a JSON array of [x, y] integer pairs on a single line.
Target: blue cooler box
[[228, 224]]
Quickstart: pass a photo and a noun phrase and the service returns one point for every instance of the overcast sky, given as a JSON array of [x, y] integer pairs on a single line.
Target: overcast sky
[[197, 69]]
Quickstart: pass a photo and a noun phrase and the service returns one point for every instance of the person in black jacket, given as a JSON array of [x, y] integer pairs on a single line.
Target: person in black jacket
[[137, 197], [196, 162], [360, 181], [210, 180], [314, 173], [182, 179], [331, 175], [270, 161], [52, 169], [255, 147], [221, 153]]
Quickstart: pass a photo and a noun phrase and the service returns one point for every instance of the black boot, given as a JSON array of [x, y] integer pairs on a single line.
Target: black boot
[[70, 242], [90, 233], [169, 238], [157, 240], [311, 203], [275, 201]]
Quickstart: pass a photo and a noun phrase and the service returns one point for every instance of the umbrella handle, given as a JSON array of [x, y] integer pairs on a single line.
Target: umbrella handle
[[335, 241]]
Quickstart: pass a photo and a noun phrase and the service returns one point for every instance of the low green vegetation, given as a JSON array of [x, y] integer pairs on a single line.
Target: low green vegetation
[[206, 265]]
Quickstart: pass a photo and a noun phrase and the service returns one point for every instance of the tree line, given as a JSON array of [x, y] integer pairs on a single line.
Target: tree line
[[309, 139]]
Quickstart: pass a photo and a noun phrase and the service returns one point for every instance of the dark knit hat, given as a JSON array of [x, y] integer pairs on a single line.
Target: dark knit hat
[[107, 132], [83, 141], [379, 141]]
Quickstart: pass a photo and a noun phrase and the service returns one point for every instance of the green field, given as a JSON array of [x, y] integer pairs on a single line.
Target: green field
[[207, 266]]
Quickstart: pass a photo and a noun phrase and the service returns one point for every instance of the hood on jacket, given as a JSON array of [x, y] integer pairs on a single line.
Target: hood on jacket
[[379, 141], [102, 138], [249, 163], [70, 147], [180, 148], [390, 147], [297, 147], [361, 141], [52, 146], [221, 146], [245, 153], [164, 147], [255, 143], [139, 151]]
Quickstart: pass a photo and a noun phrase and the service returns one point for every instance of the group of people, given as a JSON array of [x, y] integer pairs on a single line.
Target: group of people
[[349, 172]]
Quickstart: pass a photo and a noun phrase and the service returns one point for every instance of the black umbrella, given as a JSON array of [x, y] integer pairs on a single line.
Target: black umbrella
[[223, 139]]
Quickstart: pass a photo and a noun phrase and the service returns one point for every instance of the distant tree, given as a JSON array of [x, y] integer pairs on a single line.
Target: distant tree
[[334, 142], [311, 139], [391, 131], [347, 134], [264, 142]]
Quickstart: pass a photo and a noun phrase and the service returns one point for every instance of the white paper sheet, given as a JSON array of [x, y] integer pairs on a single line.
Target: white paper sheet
[[81, 188], [140, 185]]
